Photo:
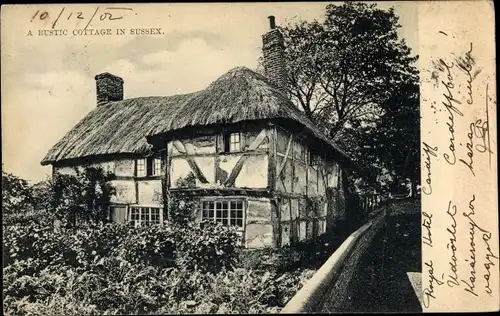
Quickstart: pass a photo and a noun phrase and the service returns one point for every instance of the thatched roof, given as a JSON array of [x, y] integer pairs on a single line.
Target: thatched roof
[[121, 127]]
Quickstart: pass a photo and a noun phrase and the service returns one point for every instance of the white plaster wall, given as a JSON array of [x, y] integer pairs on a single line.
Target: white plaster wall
[[227, 162], [253, 174], [258, 230], [125, 191], [65, 170], [207, 167], [197, 145], [179, 169], [149, 192], [107, 166], [125, 168]]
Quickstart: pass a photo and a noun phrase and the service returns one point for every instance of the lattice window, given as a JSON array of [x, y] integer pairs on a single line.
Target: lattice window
[[140, 167], [235, 142], [146, 216], [226, 212], [157, 166]]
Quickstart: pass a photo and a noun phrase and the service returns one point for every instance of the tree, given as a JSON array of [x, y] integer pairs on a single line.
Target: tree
[[396, 140], [352, 76], [84, 196], [17, 194]]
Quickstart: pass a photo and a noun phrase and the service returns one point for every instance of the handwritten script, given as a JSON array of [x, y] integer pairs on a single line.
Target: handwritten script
[[459, 252]]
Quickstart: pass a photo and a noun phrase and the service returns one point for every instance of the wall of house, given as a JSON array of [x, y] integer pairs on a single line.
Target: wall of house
[[107, 166], [260, 231], [198, 162], [149, 192], [124, 192], [309, 191], [289, 197], [127, 191]]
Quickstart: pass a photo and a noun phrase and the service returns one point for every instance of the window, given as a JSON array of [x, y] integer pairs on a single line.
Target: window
[[141, 167], [145, 216], [151, 166], [232, 142], [315, 159], [156, 166], [226, 212]]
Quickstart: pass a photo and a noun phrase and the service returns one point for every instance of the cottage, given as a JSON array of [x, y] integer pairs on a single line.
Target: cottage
[[239, 148]]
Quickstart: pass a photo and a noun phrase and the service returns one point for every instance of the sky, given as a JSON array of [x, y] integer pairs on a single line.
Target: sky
[[48, 81]]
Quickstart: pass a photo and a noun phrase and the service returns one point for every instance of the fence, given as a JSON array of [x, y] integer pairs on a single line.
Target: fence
[[326, 290]]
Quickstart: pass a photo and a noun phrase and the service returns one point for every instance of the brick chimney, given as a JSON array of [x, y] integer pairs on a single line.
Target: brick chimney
[[273, 50], [109, 88]]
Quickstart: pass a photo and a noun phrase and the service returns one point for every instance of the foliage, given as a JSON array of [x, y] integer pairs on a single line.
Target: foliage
[[42, 194], [16, 193], [84, 196], [357, 80], [209, 246], [40, 216], [113, 269], [182, 208]]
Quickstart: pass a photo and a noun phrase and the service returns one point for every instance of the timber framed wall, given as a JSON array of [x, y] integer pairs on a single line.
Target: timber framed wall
[[308, 190], [199, 166]]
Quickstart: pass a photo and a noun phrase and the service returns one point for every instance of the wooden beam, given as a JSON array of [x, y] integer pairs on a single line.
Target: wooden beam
[[272, 158], [286, 155], [275, 222], [239, 164], [190, 160], [222, 192]]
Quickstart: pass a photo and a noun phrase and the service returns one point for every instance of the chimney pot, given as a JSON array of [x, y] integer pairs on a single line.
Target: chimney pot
[[272, 22], [108, 88]]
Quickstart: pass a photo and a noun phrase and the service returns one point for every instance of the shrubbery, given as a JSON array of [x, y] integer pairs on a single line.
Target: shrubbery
[[17, 194], [209, 249], [119, 269]]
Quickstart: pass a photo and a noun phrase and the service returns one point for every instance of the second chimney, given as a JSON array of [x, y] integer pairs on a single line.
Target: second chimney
[[273, 51], [109, 88]]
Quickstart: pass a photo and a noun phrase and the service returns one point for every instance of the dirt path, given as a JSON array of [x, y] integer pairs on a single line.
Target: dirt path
[[389, 273]]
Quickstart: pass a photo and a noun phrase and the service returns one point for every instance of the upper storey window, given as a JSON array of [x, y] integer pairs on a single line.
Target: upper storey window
[[149, 167], [232, 142], [156, 166], [140, 165]]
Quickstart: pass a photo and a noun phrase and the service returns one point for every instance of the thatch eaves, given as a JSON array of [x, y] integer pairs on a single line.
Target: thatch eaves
[[121, 127]]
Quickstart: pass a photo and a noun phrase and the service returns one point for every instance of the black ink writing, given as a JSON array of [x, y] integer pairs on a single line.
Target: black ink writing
[[426, 222], [470, 283], [104, 14], [428, 151], [489, 262], [470, 151], [449, 104], [451, 246], [429, 291], [465, 64]]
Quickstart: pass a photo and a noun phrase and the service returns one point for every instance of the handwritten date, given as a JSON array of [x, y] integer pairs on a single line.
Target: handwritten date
[[103, 14]]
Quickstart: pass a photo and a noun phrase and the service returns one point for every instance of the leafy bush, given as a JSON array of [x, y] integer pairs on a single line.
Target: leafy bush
[[84, 196], [182, 208], [153, 245], [208, 247], [119, 269], [39, 216], [17, 194]]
